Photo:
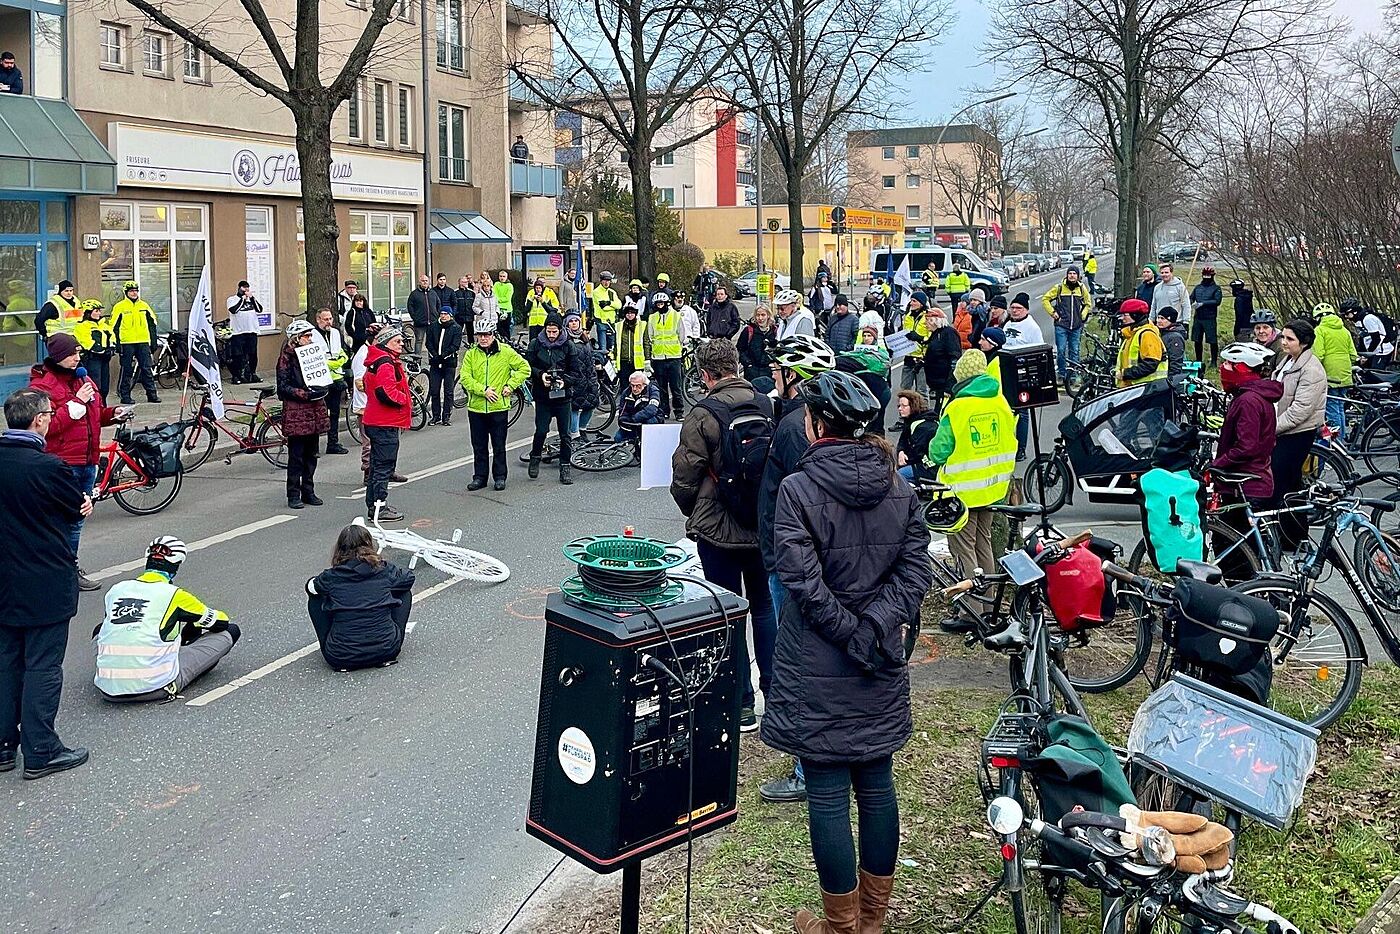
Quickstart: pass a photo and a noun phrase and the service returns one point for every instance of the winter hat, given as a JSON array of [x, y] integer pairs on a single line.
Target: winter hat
[[553, 320], [1135, 307], [999, 301], [61, 345], [1022, 298], [65, 284], [972, 363], [385, 335], [996, 335], [1169, 313], [572, 317], [1153, 267], [977, 295], [841, 300], [921, 297]]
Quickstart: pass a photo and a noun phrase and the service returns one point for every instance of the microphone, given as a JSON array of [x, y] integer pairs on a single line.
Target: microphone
[[81, 372]]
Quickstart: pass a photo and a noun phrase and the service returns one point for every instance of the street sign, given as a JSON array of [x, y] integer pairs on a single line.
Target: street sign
[[581, 224], [774, 225], [763, 285], [838, 220]]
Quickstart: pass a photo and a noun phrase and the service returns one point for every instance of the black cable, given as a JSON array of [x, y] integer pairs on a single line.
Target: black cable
[[621, 583]]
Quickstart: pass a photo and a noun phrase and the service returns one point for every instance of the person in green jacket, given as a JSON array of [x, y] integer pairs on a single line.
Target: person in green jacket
[[958, 285], [504, 291], [1337, 352], [491, 374]]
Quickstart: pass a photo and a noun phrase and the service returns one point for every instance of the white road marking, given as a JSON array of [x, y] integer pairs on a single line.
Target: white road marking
[[439, 468], [203, 543], [204, 700]]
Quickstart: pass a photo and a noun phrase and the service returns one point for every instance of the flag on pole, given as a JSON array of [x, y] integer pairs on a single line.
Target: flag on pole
[[204, 353], [903, 285]]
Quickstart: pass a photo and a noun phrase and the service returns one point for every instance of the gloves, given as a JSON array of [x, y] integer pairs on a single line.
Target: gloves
[[1200, 843]]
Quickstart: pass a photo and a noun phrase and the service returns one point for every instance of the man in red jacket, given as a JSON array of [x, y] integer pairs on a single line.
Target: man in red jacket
[[75, 432], [388, 411]]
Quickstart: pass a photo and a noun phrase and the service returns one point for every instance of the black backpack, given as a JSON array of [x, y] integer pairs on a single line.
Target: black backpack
[[745, 434]]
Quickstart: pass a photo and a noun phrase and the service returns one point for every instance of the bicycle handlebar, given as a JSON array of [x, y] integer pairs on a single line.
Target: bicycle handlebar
[[1065, 544]]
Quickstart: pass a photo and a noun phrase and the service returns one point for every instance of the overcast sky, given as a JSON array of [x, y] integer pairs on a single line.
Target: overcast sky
[[943, 87]]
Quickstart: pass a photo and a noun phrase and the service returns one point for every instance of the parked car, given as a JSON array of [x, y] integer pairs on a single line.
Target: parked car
[[1019, 264], [1176, 252], [1023, 262], [1003, 266], [746, 286], [1049, 261], [1033, 261], [1065, 257], [1077, 252]]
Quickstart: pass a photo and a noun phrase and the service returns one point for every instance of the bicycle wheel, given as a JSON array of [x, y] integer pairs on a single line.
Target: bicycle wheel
[[272, 443], [1324, 465], [1037, 898], [1054, 472], [605, 455], [420, 408], [167, 372], [151, 497], [463, 562], [1107, 657], [692, 385], [1380, 446], [517, 408], [459, 401], [353, 427], [200, 437], [1377, 562], [1319, 673], [1387, 521]]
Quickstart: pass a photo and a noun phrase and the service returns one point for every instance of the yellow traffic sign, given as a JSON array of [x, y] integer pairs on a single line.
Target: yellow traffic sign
[[763, 285]]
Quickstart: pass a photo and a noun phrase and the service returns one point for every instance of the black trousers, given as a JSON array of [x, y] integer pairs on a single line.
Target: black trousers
[[322, 622], [442, 377], [31, 682], [335, 398], [100, 369], [301, 465], [556, 411], [383, 459], [1290, 453], [488, 431], [136, 366], [243, 355], [668, 380]]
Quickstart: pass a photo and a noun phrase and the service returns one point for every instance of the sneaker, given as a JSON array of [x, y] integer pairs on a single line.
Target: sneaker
[[311, 499], [433, 423], [397, 478], [446, 423], [336, 449], [86, 583], [478, 483], [154, 400], [388, 514], [500, 485], [786, 790], [294, 502], [748, 720], [65, 760], [534, 468]]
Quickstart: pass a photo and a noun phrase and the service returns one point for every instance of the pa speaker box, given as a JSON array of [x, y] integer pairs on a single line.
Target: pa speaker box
[[1028, 377], [613, 743]]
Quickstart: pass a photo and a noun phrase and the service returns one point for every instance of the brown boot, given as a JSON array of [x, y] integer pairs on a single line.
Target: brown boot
[[842, 915], [874, 901]]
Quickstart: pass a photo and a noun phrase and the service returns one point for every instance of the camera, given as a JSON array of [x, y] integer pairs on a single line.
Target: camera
[[556, 384]]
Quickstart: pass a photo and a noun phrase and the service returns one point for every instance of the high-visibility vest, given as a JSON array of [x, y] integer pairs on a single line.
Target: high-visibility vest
[[132, 321], [636, 336], [68, 315], [1131, 350], [994, 369], [138, 644], [915, 324], [665, 335], [537, 309], [958, 283], [504, 293], [605, 305], [95, 336], [983, 461]]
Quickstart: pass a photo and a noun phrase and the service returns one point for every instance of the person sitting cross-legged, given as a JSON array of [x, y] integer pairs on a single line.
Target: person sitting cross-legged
[[637, 405], [155, 639], [359, 606]]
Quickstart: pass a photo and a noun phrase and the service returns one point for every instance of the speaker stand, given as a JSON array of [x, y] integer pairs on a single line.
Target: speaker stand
[[631, 897]]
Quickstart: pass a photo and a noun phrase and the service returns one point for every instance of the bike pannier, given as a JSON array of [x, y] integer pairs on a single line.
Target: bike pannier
[[1077, 769], [1173, 507], [1218, 628], [1079, 596], [158, 448]]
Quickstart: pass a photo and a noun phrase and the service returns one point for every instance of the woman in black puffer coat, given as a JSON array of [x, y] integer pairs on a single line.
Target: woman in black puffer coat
[[851, 548], [359, 606], [586, 391]]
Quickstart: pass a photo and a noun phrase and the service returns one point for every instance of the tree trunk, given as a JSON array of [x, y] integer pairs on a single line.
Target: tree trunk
[[796, 244], [644, 210], [313, 125]]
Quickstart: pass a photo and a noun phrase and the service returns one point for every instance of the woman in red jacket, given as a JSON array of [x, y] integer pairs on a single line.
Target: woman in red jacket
[[304, 417], [388, 411], [75, 432]]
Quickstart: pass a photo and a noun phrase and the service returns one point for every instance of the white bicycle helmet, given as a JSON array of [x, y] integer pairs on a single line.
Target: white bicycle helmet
[[1247, 353], [786, 297], [298, 328], [167, 550], [805, 356]]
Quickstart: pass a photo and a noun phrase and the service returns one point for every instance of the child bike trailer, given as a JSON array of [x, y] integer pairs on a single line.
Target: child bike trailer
[[1110, 440]]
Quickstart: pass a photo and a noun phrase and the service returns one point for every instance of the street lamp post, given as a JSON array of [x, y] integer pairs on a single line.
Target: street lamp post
[[938, 143], [684, 189]]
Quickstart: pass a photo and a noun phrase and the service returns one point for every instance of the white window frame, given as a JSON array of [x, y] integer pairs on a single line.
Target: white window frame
[[450, 38], [446, 152], [178, 315], [665, 159], [122, 36], [405, 124], [383, 94], [888, 209], [404, 11], [887, 182], [913, 212], [666, 196], [147, 37], [887, 153], [911, 152], [367, 286], [912, 181], [195, 55], [355, 114]]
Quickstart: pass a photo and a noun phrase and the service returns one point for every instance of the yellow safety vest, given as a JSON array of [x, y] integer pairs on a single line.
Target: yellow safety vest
[[1131, 350], [68, 315], [1091, 265], [637, 338], [94, 336], [958, 282], [994, 369], [138, 643], [537, 308], [665, 335], [983, 461], [131, 321], [916, 327], [605, 305]]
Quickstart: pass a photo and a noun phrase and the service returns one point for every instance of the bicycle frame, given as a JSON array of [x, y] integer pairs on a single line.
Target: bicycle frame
[[109, 454]]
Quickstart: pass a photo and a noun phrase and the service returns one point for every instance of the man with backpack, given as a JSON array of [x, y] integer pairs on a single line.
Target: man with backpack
[[715, 477]]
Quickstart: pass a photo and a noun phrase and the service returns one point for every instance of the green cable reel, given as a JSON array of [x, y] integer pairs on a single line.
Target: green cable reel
[[618, 572]]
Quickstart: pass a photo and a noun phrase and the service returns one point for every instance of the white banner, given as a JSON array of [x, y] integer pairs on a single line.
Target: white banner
[[659, 443], [204, 353], [315, 365], [903, 285]]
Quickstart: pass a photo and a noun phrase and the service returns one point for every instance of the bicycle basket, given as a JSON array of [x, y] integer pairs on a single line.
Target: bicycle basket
[[1218, 628], [158, 448]]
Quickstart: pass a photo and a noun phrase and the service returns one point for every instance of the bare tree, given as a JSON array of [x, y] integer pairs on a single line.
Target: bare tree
[[1134, 63], [967, 170], [1055, 177], [818, 64], [300, 82], [640, 71]]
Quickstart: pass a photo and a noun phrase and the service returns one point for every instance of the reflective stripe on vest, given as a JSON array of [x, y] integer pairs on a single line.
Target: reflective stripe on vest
[[984, 453], [665, 335], [1128, 356], [132, 658], [639, 353], [68, 315]]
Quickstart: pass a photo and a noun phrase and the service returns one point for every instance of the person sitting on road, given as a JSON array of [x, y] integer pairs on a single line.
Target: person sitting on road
[[638, 404], [990, 343], [359, 606], [1174, 344], [156, 639]]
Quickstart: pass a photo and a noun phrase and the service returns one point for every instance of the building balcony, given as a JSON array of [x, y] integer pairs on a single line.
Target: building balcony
[[535, 180], [744, 178], [451, 55], [522, 98]]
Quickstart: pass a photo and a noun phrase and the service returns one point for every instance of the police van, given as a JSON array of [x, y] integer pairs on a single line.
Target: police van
[[885, 263]]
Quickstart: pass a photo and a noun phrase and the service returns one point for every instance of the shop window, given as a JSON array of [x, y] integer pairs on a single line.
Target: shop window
[[163, 247], [380, 257]]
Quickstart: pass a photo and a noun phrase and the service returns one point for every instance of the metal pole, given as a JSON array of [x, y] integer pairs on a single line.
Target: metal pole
[[427, 145], [632, 894], [758, 194]]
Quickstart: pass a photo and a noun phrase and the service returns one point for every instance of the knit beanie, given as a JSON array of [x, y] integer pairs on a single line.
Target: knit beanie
[[999, 301], [61, 345], [1023, 299], [977, 295], [996, 335], [571, 317], [921, 297], [972, 363]]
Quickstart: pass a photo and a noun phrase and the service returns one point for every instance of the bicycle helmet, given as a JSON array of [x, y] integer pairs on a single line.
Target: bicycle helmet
[[166, 553], [129, 284], [298, 328], [1247, 353], [841, 400], [1322, 309], [1350, 305], [1264, 316], [91, 304], [945, 513], [660, 298], [1208, 270], [786, 297], [805, 356], [870, 358]]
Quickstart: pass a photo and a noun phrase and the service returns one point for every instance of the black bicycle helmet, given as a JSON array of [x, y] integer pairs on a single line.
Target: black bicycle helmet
[[1264, 316], [841, 400], [1350, 305]]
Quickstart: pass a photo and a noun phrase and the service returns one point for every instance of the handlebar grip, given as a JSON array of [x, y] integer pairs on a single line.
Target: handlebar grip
[[1120, 573], [1075, 540], [958, 588]]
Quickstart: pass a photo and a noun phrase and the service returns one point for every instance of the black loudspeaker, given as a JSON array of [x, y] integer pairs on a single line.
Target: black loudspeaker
[[1028, 377], [612, 746]]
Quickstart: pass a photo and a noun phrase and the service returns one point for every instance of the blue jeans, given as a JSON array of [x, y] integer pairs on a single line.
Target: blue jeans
[[829, 819], [579, 420], [1336, 411], [605, 337], [907, 472], [1066, 349], [86, 478]]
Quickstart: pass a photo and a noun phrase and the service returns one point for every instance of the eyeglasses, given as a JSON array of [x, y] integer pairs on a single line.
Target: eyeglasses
[[49, 412]]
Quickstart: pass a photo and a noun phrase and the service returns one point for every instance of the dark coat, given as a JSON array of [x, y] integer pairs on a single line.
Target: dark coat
[[941, 352], [303, 410], [693, 483], [722, 319], [357, 322], [586, 393], [443, 341], [1249, 434], [914, 438], [852, 551], [1206, 298], [447, 297], [841, 331], [39, 500], [1244, 307], [463, 302], [755, 347], [1174, 343], [360, 599], [565, 360], [423, 305], [784, 451]]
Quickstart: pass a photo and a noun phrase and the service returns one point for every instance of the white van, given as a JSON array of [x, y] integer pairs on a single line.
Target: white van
[[992, 281]]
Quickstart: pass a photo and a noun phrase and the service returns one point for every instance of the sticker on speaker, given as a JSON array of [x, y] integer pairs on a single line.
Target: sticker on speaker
[[576, 756]]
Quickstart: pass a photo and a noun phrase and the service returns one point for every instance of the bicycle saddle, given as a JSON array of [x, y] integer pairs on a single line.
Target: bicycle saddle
[[1202, 571], [265, 391], [1011, 637], [1023, 511], [1231, 478]]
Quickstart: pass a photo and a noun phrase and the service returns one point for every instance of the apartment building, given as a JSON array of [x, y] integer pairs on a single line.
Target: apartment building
[[918, 171], [173, 162]]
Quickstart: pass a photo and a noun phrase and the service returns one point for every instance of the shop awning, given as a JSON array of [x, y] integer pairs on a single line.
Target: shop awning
[[45, 146], [465, 227]]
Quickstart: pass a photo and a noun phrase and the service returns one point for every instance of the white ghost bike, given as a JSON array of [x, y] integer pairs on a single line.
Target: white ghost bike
[[446, 556]]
